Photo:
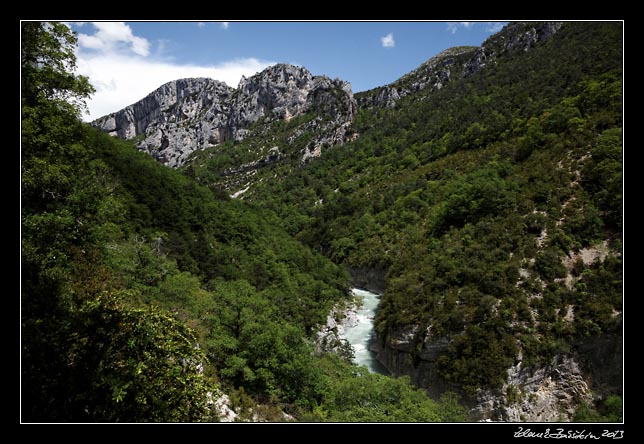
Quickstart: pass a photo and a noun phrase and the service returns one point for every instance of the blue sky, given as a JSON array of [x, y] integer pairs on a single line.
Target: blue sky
[[127, 60]]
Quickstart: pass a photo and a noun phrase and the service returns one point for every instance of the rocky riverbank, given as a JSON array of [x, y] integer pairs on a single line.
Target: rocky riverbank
[[548, 392], [331, 336], [349, 331]]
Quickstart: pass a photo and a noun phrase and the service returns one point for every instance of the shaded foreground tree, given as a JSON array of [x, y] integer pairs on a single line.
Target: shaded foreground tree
[[88, 352]]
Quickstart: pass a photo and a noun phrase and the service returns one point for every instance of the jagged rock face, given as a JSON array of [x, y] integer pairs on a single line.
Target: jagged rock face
[[370, 279], [286, 91], [336, 107], [547, 393], [400, 356], [543, 393], [517, 37], [176, 119], [527, 35], [280, 92], [459, 62], [191, 114], [431, 75]]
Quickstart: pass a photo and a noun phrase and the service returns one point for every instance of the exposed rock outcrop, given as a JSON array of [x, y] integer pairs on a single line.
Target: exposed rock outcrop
[[517, 37], [331, 336], [431, 76], [548, 393], [191, 114], [602, 358], [174, 120], [542, 393], [222, 407], [400, 356]]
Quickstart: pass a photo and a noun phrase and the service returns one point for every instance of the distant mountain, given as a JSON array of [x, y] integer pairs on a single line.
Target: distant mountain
[[186, 115]]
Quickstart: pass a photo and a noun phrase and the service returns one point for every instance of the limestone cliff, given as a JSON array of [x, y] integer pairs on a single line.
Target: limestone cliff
[[179, 117], [536, 393], [192, 114]]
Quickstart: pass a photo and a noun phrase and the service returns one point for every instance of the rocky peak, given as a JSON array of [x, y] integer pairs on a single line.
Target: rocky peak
[[523, 36], [134, 119], [277, 88], [515, 37], [460, 61], [279, 92], [191, 114], [174, 120], [431, 75]]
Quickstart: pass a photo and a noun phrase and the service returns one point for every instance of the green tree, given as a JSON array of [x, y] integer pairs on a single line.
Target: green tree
[[50, 227], [88, 353], [603, 176], [607, 410], [355, 395], [254, 349], [133, 365], [47, 67]]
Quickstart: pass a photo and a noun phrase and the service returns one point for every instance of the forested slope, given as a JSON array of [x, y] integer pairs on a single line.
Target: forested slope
[[146, 297], [493, 205]]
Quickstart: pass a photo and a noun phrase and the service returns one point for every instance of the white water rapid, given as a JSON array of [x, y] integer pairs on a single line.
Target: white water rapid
[[361, 333]]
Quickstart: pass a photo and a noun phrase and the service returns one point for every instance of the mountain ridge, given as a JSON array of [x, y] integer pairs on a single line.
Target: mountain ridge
[[459, 62], [186, 115]]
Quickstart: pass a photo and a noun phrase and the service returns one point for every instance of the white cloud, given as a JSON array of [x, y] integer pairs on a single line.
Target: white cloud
[[454, 26], [121, 80], [121, 68], [201, 24], [110, 36], [69, 24], [163, 49], [225, 25], [388, 40]]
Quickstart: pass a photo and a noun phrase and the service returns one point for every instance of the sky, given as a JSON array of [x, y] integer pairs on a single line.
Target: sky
[[125, 61]]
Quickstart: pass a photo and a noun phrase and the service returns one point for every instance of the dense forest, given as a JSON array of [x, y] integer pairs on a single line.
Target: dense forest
[[479, 202], [146, 297], [492, 207]]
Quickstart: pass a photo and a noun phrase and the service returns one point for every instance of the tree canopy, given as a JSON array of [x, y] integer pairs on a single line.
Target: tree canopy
[[147, 292]]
